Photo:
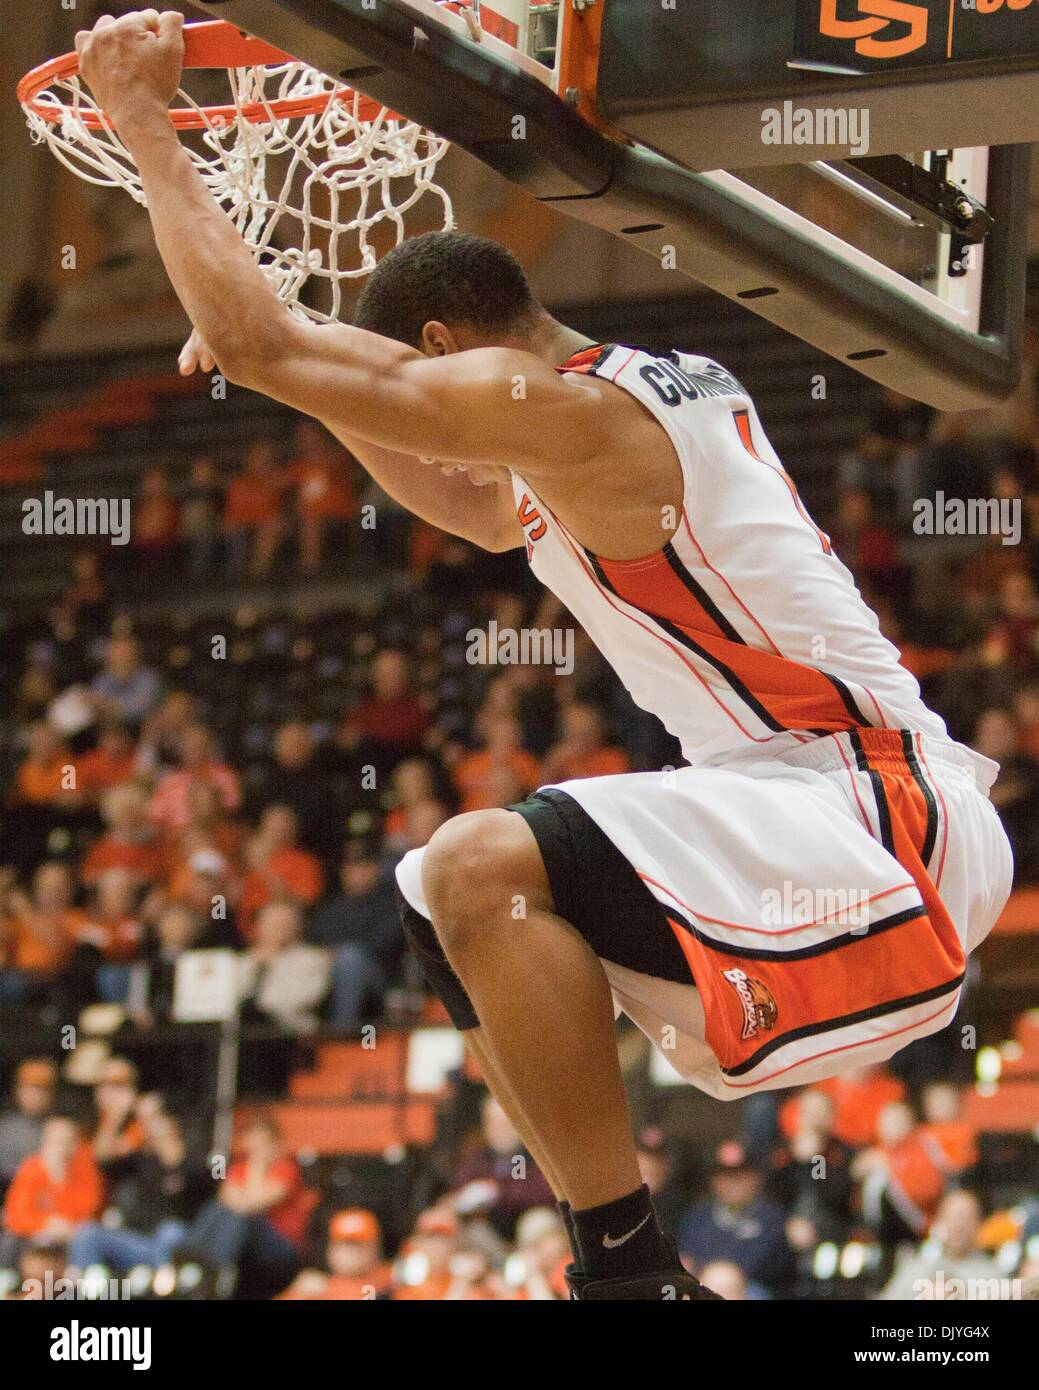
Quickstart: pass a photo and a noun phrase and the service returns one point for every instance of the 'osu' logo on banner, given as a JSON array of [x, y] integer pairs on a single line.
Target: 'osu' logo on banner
[[880, 15]]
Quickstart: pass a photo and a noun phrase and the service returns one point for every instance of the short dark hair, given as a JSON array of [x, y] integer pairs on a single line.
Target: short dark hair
[[450, 277]]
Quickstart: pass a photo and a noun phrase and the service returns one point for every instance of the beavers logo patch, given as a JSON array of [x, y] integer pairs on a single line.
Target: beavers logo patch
[[759, 1007]]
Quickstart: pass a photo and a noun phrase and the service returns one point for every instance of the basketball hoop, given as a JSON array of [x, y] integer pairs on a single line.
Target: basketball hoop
[[341, 164]]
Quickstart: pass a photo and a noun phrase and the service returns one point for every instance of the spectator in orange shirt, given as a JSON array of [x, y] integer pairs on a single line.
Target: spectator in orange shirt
[[129, 841], [324, 491], [583, 750], [859, 1096], [902, 1183], [110, 763], [112, 933], [279, 871], [170, 806], [354, 1265], [254, 523], [42, 936], [952, 1141], [474, 773], [155, 520], [48, 776], [56, 1188], [208, 828]]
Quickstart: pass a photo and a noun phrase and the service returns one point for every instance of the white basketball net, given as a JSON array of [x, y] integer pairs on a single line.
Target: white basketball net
[[335, 174]]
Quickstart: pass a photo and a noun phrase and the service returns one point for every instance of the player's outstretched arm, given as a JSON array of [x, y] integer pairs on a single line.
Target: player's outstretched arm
[[488, 406], [486, 516]]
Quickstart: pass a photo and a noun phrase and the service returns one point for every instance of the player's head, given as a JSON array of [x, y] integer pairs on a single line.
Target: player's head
[[446, 291]]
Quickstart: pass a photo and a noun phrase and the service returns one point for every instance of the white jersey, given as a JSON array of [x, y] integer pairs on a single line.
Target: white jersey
[[831, 857], [743, 633]]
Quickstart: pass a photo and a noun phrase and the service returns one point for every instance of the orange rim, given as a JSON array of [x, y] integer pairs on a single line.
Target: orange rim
[[213, 43]]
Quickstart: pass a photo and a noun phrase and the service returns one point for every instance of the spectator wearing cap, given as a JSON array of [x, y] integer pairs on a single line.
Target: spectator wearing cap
[[737, 1223], [950, 1252], [55, 1189], [157, 1190], [279, 870], [423, 1270], [361, 928], [170, 806], [354, 1267], [515, 1183], [21, 1122]]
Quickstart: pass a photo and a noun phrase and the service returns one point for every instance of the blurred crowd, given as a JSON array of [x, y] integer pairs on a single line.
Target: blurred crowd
[[854, 1191], [152, 807]]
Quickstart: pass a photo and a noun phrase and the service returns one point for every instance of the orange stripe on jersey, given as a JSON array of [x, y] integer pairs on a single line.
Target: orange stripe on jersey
[[587, 359], [785, 694], [742, 418], [743, 426]]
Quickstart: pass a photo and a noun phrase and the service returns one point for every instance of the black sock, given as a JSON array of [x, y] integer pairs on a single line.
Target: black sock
[[621, 1237], [571, 1232]]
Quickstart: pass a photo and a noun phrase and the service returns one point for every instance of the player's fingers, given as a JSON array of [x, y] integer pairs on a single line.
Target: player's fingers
[[170, 21], [103, 21], [149, 19]]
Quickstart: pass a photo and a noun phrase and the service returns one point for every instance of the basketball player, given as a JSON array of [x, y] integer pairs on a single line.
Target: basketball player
[[803, 896]]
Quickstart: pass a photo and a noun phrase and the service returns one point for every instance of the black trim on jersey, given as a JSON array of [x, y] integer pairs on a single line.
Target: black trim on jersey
[[820, 948], [701, 595], [847, 699], [846, 1021], [909, 749], [879, 792], [675, 632]]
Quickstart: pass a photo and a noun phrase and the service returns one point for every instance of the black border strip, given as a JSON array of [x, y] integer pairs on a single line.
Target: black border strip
[[821, 948], [921, 781]]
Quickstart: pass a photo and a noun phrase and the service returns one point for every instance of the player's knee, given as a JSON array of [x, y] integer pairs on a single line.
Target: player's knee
[[473, 868]]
